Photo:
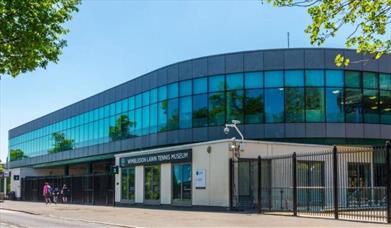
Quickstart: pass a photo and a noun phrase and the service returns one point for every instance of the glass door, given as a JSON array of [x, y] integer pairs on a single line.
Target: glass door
[[152, 183], [128, 184], [181, 184]]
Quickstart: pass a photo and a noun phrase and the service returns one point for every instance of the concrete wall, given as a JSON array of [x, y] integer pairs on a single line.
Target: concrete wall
[[165, 183], [139, 181]]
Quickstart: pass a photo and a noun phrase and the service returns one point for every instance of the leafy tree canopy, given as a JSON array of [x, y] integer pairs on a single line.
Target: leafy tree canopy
[[31, 33], [16, 154], [121, 128], [61, 143], [369, 19]]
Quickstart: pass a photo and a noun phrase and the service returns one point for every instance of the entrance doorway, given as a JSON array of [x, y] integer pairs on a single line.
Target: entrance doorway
[[152, 184], [181, 179]]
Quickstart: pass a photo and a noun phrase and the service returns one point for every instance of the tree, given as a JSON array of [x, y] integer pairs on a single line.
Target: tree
[[121, 128], [369, 19], [31, 33], [16, 154], [61, 143]]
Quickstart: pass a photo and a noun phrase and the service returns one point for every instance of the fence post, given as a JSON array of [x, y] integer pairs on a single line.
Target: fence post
[[388, 180], [335, 182], [294, 180], [259, 184]]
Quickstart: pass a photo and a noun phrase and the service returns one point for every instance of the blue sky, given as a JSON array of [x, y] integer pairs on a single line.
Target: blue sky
[[111, 42]]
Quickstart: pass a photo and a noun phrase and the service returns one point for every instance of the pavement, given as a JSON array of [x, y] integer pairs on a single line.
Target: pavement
[[72, 215]]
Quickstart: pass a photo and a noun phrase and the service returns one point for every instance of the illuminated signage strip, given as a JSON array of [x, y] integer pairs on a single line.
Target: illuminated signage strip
[[150, 159]]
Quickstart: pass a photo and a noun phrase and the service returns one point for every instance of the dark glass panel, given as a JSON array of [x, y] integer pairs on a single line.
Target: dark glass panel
[[274, 105], [153, 118], [138, 122], [294, 105], [385, 106], [315, 108], [370, 80], [132, 123], [185, 107], [152, 182], [172, 90], [335, 105], [254, 106], [145, 125], [200, 110], [294, 78], [200, 85], [185, 88], [124, 184], [216, 83], [385, 81], [353, 105], [162, 115], [172, 115], [371, 106], [353, 79], [234, 81], [216, 109], [314, 78], [253, 80], [274, 79], [234, 105]]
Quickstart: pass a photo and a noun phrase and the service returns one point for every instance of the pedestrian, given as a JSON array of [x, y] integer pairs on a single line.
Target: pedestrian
[[55, 194], [46, 192], [64, 193]]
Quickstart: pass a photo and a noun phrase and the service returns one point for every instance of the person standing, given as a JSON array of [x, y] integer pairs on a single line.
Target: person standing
[[65, 193], [46, 192]]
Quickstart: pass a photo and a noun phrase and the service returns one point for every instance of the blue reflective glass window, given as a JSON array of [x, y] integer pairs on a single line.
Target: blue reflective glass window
[[118, 107], [172, 114], [106, 114], [254, 106], [172, 90], [353, 79], [162, 115], [314, 77], [370, 80], [145, 125], [353, 109], [200, 110], [132, 122], [234, 81], [335, 105], [234, 107], [185, 88], [125, 105], [274, 79], [131, 103], [200, 85], [138, 116], [253, 80], [315, 107], [138, 100], [112, 112], [334, 78], [153, 118], [294, 105], [385, 81], [274, 105], [370, 103], [162, 93], [185, 112], [146, 98], [294, 78], [216, 109], [153, 96], [216, 83], [385, 106]]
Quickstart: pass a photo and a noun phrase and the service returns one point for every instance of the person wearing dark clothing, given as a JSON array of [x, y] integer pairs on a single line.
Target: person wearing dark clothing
[[65, 193]]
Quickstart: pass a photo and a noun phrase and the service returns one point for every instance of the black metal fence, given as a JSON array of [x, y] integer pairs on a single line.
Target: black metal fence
[[352, 183], [95, 189]]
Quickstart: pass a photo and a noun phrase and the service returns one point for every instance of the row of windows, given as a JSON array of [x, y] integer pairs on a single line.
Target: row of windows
[[290, 79]]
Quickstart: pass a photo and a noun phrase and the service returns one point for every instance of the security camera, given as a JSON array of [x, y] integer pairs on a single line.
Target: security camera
[[235, 121], [226, 130]]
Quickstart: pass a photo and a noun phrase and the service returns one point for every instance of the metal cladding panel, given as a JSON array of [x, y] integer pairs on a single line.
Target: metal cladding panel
[[385, 131], [215, 133], [254, 131], [145, 141], [355, 60], [153, 79], [336, 130], [372, 131], [172, 137], [294, 59], [315, 130], [273, 60], [253, 61], [385, 64], [200, 67], [234, 63], [216, 65], [172, 73], [162, 138], [138, 85], [274, 131], [145, 83], [370, 64], [185, 135], [294, 130], [354, 130], [200, 134], [314, 59], [162, 77], [185, 70], [153, 140]]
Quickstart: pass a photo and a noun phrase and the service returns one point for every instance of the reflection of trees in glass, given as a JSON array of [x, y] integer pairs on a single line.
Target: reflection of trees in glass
[[173, 115], [121, 130], [16, 154], [216, 109], [254, 106], [235, 105], [61, 143], [314, 104], [294, 105]]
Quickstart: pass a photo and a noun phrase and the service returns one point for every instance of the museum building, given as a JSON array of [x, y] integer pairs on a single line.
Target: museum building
[[160, 139]]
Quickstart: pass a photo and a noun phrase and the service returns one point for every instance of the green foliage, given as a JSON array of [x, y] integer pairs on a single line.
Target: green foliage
[[1, 168], [121, 128], [61, 143], [16, 154], [31, 33], [368, 17]]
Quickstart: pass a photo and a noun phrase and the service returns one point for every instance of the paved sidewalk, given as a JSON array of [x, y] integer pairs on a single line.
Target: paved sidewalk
[[140, 217]]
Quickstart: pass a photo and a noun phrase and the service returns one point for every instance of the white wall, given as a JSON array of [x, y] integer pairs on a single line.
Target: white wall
[[165, 183], [139, 182], [117, 183]]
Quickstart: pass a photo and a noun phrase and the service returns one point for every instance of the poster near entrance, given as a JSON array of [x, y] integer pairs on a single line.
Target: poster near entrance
[[200, 179]]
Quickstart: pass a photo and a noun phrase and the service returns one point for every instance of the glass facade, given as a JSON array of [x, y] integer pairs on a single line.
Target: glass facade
[[290, 96]]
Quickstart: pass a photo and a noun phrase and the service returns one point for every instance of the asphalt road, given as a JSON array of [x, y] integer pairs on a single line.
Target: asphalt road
[[13, 219]]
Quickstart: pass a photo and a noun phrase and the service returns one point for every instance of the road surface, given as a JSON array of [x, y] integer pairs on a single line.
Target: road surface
[[13, 219]]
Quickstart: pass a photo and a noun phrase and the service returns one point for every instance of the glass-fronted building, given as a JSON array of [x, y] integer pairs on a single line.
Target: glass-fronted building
[[289, 95]]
